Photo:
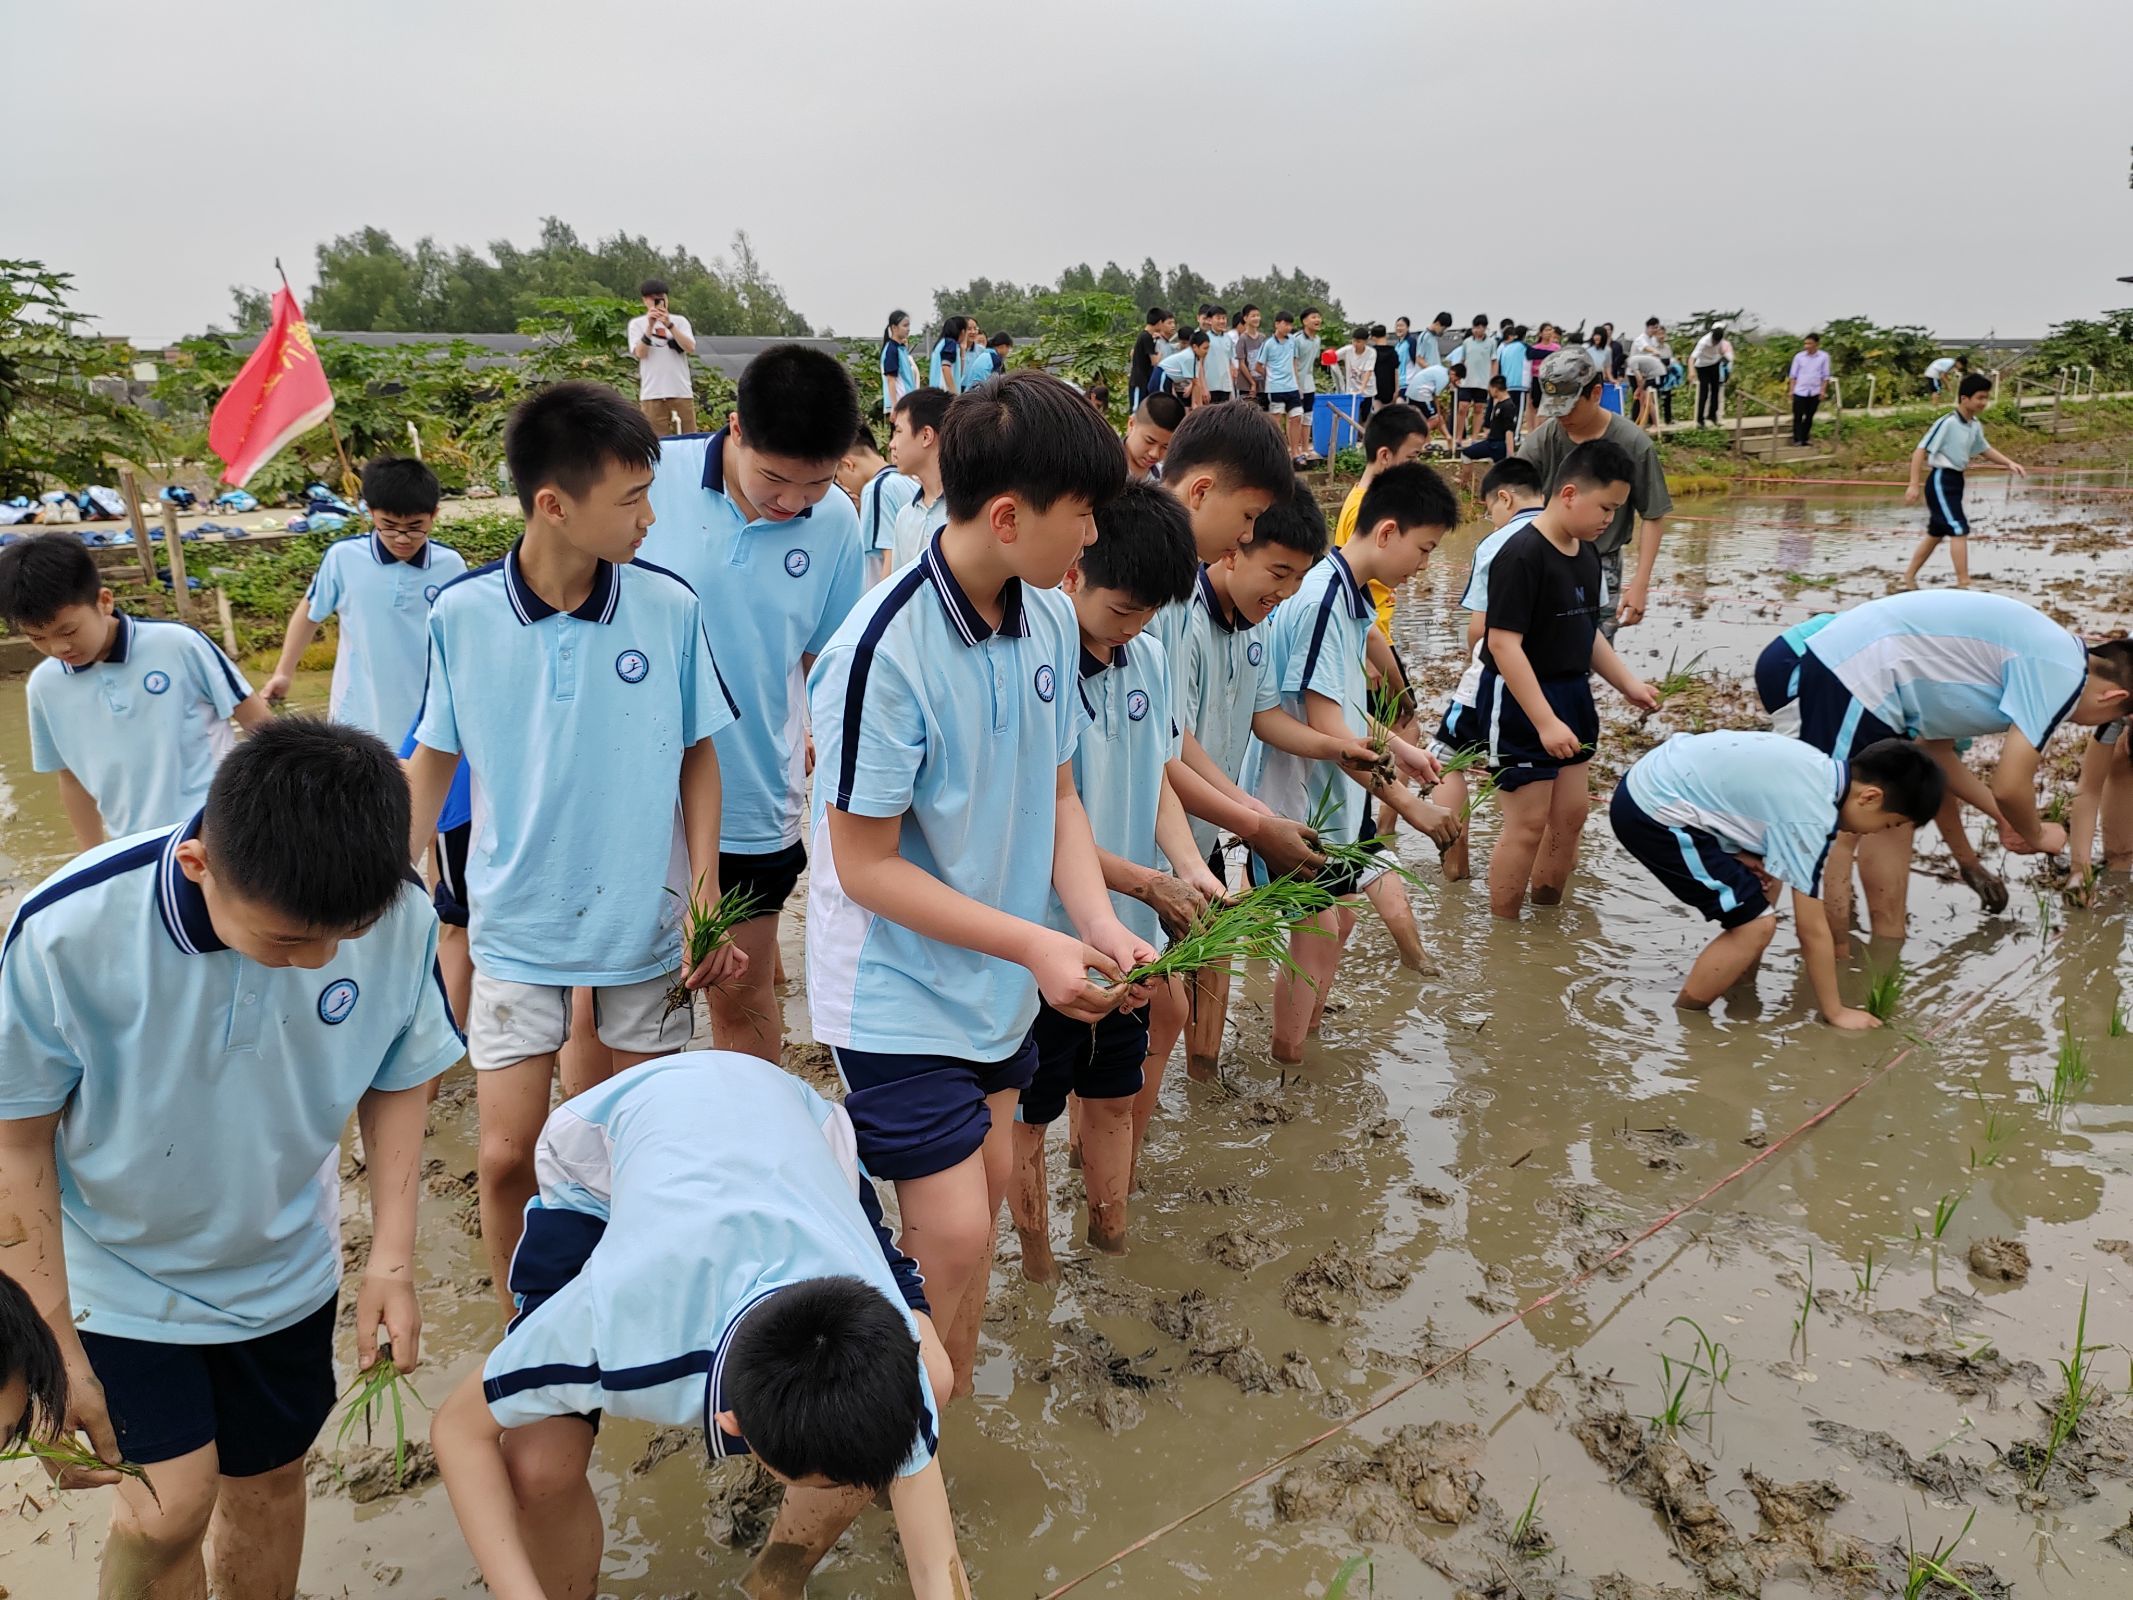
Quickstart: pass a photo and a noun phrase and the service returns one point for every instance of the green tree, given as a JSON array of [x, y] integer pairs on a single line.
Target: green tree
[[56, 430], [1087, 337], [1277, 289], [2105, 343]]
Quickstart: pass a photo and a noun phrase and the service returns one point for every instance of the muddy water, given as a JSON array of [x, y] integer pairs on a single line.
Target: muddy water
[[1458, 1146]]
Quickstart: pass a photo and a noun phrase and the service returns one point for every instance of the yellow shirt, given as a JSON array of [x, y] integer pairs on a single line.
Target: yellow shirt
[[1343, 531]]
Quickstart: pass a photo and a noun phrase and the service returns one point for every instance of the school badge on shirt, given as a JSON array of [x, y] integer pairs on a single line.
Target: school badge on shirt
[[796, 563], [156, 682], [1137, 704], [337, 1000], [632, 665], [1255, 652], [1047, 683]]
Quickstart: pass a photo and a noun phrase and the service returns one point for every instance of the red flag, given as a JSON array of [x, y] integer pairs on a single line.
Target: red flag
[[281, 393]]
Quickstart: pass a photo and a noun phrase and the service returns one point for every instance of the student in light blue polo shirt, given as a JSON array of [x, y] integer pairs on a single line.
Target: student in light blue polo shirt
[[1937, 468], [1142, 558], [705, 1251], [1219, 368], [132, 713], [950, 358], [1317, 762], [946, 718], [1721, 819], [1277, 371], [899, 375], [747, 518], [915, 450], [579, 687], [381, 583], [191, 1016], [1180, 371], [1939, 667], [881, 502]]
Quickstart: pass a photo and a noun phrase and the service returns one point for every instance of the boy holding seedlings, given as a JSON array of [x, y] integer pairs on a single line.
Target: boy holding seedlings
[[1511, 494], [1722, 819], [1142, 559], [192, 1014], [1318, 760], [381, 583], [746, 518], [915, 448], [132, 713], [1535, 691], [1937, 468], [705, 1251], [1219, 688], [577, 685], [1938, 668], [946, 717]]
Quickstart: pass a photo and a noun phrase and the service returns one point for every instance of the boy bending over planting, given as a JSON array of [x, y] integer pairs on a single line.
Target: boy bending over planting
[[705, 1251], [1722, 819]]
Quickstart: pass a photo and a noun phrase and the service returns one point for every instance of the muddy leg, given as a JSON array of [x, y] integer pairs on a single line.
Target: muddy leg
[[1725, 961], [1344, 930], [153, 1551], [1166, 1020], [557, 1515], [1388, 894], [1518, 842], [1451, 793], [995, 1163], [511, 1104], [255, 1542], [1919, 557], [457, 964], [2118, 812], [1885, 873], [947, 1230], [809, 1522], [1296, 996], [1107, 1167], [1029, 1203], [745, 1014], [1569, 804], [1959, 549], [1210, 1010]]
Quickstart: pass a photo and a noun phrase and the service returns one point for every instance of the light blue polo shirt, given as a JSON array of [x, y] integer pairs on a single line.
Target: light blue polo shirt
[[924, 711], [1758, 794], [1511, 361], [575, 727], [953, 350], [143, 729], [1316, 642], [1952, 441], [896, 363], [674, 1199], [384, 648], [1956, 665], [770, 593], [1221, 352], [1118, 767], [1180, 367], [1278, 357], [885, 494], [917, 523], [202, 1096], [1218, 684]]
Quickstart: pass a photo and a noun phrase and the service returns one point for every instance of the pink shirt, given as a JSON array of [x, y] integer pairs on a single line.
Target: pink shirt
[[1810, 373]]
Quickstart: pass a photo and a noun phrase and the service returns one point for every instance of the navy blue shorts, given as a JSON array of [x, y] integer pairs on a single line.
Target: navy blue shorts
[[260, 1402], [1310, 398], [1777, 674], [1830, 718], [918, 1115], [1461, 730], [771, 878], [450, 894], [1945, 517], [1100, 1062], [1516, 755], [1696, 869], [1216, 396]]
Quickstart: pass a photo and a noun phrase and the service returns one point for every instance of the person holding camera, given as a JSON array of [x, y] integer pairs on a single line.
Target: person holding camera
[[662, 343]]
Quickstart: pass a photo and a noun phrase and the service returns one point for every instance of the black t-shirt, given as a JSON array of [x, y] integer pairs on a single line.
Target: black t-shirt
[[1388, 374], [1143, 368], [1551, 600], [1503, 417]]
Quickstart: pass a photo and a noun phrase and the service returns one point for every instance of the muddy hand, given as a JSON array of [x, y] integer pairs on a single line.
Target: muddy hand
[[88, 1415], [728, 961], [1991, 892], [1177, 905]]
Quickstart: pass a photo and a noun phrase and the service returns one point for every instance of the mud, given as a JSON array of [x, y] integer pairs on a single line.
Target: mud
[[2000, 1260]]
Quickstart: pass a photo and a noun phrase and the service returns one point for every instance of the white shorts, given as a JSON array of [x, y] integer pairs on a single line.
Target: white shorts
[[509, 1022]]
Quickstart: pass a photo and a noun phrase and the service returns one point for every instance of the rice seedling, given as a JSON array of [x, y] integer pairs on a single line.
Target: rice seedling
[[376, 1387], [2058, 808], [1252, 927], [68, 1451], [2047, 918], [1526, 1537], [1997, 1133], [1807, 1304], [2070, 1069], [2118, 1014], [1477, 793], [1364, 855], [2076, 1392], [1677, 1376], [1944, 1210], [1864, 1276], [1927, 1569], [1339, 1589], [1884, 991], [2081, 889], [1810, 580], [1678, 680], [704, 929]]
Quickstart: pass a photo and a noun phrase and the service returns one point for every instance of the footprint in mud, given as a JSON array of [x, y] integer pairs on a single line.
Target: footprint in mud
[[1945, 1477], [814, 1066], [1331, 1285], [1660, 1472], [1242, 1249], [2000, 1260], [1086, 1369], [1426, 1476], [365, 1473], [1655, 1147]]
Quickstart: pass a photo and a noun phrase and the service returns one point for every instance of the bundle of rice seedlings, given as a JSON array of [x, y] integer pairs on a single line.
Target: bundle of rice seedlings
[[377, 1386], [68, 1451], [1251, 927], [704, 929]]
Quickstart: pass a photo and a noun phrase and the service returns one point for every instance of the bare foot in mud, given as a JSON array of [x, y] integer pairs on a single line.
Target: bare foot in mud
[[1991, 892], [1038, 1266], [1203, 1069], [1542, 896], [1107, 1236]]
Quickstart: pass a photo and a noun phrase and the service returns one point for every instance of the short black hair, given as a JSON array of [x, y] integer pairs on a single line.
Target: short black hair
[[400, 486], [1245, 310], [1481, 320], [1197, 336], [1595, 463], [926, 408], [1099, 395], [1308, 311], [569, 434], [1389, 424], [1515, 473], [1157, 316], [1412, 495], [1444, 317], [1000, 341], [28, 1351], [43, 575], [1295, 522], [1214, 310], [864, 438], [1030, 435], [823, 1378], [310, 818], [1377, 330], [1457, 369], [1911, 781], [2112, 661], [1498, 381], [650, 287], [1282, 316], [1143, 547], [1975, 383], [797, 403], [1241, 443], [1163, 411]]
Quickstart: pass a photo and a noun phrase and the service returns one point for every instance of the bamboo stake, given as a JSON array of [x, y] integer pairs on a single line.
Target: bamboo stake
[[143, 547], [176, 550]]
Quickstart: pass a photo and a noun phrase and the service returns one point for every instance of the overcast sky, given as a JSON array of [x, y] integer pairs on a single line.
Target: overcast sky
[[1961, 163]]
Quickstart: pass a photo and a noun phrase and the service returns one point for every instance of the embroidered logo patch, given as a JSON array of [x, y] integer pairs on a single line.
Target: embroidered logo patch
[[632, 665], [337, 1000], [796, 563], [1255, 652], [156, 682], [1047, 683], [1137, 704], [430, 594]]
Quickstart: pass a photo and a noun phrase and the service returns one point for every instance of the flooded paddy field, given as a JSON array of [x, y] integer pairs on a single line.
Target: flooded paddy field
[[1859, 1338]]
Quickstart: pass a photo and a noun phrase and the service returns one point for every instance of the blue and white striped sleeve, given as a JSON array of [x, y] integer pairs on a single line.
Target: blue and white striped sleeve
[[214, 674], [324, 596]]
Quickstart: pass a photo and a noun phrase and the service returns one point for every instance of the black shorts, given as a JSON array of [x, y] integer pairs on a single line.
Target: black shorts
[[1831, 719], [1777, 674], [1695, 868], [1217, 396], [1102, 1062], [1461, 730], [450, 895], [1473, 397], [771, 878], [260, 1402], [1339, 882], [1308, 399], [915, 1115], [1945, 517], [1516, 755]]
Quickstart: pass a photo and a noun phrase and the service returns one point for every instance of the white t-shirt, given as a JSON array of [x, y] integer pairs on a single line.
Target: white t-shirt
[[1359, 369], [1936, 369], [664, 372]]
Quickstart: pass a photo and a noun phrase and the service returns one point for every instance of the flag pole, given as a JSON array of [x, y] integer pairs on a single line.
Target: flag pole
[[351, 485]]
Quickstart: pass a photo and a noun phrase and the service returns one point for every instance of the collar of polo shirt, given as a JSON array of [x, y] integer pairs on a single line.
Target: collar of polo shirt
[[1090, 666], [116, 655], [1350, 589], [969, 622], [717, 1441], [715, 471], [382, 554], [178, 898], [1216, 611], [529, 607]]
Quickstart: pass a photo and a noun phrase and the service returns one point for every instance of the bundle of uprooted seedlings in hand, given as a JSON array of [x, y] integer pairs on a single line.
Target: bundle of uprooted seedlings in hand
[[1388, 706], [1677, 679], [704, 929], [1365, 855], [379, 1385], [68, 1451], [1250, 927]]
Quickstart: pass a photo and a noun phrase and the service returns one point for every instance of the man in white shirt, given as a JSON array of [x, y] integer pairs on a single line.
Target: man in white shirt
[[662, 343]]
